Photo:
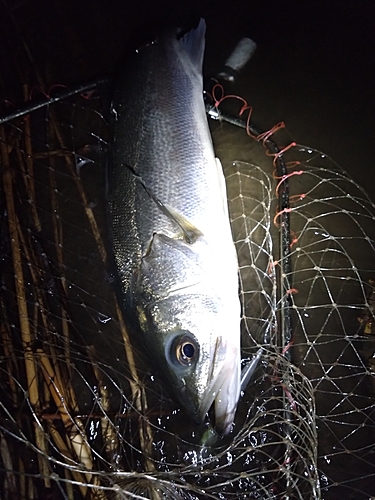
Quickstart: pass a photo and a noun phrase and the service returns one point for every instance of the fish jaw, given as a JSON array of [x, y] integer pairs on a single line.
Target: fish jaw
[[224, 390]]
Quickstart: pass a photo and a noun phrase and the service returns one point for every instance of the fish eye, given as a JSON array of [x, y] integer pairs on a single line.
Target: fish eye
[[184, 351]]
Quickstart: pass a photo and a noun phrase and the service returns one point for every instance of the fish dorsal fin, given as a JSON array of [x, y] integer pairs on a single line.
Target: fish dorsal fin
[[194, 43]]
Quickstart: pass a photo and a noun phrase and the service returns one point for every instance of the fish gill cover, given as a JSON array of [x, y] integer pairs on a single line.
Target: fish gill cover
[[81, 413]]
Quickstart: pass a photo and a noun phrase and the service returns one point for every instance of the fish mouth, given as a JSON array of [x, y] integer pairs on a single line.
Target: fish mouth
[[223, 387]]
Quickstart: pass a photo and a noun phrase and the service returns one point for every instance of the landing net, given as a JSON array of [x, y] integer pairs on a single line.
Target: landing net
[[83, 416]]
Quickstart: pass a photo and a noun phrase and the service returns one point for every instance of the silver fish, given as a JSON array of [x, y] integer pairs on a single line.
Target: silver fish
[[171, 232]]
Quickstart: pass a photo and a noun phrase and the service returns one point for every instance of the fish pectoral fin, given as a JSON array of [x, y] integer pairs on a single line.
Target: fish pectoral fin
[[191, 233]]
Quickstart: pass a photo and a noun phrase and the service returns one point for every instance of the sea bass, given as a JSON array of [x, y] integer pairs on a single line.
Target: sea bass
[[171, 233]]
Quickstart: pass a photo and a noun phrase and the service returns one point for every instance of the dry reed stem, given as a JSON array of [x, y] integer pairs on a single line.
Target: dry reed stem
[[40, 437], [74, 431], [10, 482], [110, 437], [52, 153], [68, 485], [26, 334], [30, 488], [138, 394], [11, 364], [22, 479], [32, 257], [30, 165], [39, 303], [80, 477], [27, 338], [67, 454], [58, 238], [97, 493], [73, 427]]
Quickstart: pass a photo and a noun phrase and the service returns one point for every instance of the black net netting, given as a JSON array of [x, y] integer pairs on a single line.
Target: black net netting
[[82, 415]]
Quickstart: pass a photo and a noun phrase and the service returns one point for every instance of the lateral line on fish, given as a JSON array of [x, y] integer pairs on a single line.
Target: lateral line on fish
[[190, 232]]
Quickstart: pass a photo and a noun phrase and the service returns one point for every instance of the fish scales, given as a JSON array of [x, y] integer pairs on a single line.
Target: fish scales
[[171, 233]]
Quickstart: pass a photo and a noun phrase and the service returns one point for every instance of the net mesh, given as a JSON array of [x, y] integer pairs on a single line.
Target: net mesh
[[81, 413]]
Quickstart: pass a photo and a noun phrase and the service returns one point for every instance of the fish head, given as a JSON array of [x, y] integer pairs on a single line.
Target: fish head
[[189, 340]]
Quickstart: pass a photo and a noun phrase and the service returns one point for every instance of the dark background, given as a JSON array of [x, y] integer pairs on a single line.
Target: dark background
[[314, 67]]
